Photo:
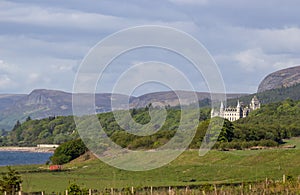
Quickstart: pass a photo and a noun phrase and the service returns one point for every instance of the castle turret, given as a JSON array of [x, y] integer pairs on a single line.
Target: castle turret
[[239, 111], [222, 107], [222, 110], [255, 104], [238, 104], [212, 113]]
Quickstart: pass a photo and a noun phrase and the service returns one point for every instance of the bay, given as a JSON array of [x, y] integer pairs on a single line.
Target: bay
[[23, 158]]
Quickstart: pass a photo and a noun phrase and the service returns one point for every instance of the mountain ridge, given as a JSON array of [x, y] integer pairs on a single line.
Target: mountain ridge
[[42, 103]]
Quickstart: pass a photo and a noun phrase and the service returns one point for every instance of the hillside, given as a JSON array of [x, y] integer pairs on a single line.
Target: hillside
[[189, 169], [266, 126], [282, 78], [271, 96], [170, 98], [281, 118], [43, 103], [7, 100]]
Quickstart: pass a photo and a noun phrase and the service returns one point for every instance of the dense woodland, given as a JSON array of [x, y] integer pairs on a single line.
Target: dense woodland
[[55, 130], [61, 129], [266, 126]]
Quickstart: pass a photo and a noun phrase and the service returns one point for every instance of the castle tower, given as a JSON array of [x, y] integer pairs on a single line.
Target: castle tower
[[212, 113], [238, 105], [222, 110], [255, 104], [238, 111]]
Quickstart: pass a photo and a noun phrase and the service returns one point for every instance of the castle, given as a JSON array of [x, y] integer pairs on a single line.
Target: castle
[[235, 113]]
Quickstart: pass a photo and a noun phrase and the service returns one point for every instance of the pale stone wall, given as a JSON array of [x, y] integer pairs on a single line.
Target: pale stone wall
[[233, 114]]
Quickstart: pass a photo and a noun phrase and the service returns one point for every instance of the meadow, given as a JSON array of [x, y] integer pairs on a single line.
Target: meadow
[[189, 169]]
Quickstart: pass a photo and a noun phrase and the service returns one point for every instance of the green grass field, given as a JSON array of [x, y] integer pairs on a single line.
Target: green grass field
[[187, 169]]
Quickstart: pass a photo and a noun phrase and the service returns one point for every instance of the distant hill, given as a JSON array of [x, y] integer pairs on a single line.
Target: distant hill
[[42, 103], [282, 78], [7, 100], [170, 98], [267, 126], [271, 96]]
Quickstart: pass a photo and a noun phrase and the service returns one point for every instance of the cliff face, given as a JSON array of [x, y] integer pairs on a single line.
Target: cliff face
[[282, 78]]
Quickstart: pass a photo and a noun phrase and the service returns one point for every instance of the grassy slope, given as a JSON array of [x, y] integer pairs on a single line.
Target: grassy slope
[[217, 166]]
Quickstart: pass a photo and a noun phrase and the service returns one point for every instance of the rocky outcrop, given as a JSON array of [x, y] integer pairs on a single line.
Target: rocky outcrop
[[282, 78]]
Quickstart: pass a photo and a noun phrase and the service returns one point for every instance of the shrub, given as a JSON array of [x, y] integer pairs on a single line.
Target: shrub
[[68, 151], [75, 189]]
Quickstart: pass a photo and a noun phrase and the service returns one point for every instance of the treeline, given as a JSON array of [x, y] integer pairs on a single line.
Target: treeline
[[273, 121], [267, 126], [264, 127], [54, 130]]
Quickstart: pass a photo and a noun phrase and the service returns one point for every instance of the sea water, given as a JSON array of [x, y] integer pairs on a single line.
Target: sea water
[[22, 158]]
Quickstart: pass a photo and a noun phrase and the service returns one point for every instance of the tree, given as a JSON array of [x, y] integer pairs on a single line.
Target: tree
[[227, 132], [28, 119], [17, 125], [68, 151], [10, 181]]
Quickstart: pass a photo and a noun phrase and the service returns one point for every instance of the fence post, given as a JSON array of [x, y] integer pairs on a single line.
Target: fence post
[[283, 178], [132, 190], [112, 191], [66, 192], [90, 191], [215, 188], [151, 190], [42, 192], [20, 193], [5, 193], [170, 191], [242, 189]]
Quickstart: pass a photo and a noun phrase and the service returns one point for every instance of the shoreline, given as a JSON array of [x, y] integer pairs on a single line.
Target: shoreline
[[26, 149]]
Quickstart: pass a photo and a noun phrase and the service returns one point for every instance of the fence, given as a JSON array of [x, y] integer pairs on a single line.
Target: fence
[[287, 185]]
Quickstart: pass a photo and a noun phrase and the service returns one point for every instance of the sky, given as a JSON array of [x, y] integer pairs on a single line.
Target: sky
[[43, 42]]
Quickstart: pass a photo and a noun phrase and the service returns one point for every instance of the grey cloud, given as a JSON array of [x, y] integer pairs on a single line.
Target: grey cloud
[[50, 38]]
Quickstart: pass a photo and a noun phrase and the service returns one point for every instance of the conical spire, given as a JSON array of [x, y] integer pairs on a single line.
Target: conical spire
[[238, 104], [222, 106]]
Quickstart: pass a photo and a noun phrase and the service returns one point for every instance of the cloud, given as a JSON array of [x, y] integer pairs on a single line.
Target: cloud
[[50, 17], [7, 74], [284, 40], [43, 42], [189, 2], [26, 77], [252, 59], [265, 49]]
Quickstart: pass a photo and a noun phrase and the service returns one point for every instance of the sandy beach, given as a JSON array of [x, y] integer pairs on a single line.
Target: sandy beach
[[27, 149]]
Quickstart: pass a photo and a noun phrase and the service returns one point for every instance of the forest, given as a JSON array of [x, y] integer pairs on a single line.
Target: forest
[[267, 126]]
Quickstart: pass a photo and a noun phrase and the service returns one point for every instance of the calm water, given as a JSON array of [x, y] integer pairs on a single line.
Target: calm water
[[21, 158]]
